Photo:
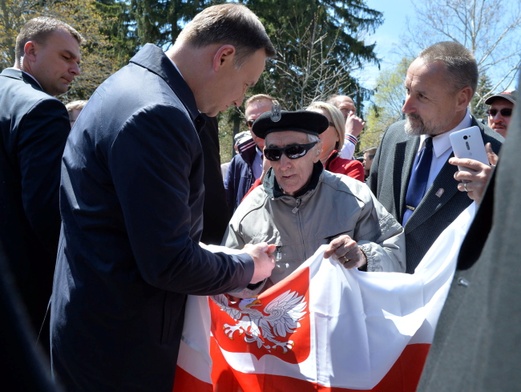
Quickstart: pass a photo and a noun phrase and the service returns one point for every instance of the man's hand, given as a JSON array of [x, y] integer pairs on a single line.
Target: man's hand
[[263, 258], [354, 124], [346, 251], [475, 179], [491, 155]]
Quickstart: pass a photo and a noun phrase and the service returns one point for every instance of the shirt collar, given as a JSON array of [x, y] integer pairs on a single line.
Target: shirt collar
[[175, 65], [31, 76]]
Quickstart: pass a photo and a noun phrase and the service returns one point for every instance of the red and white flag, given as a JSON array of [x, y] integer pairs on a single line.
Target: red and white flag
[[324, 328]]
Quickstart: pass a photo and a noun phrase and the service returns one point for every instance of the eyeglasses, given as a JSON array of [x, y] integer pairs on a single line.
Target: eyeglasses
[[504, 112], [293, 151], [249, 123]]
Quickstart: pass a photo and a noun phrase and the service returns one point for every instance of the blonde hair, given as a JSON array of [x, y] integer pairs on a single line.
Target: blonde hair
[[76, 105], [259, 97], [337, 118]]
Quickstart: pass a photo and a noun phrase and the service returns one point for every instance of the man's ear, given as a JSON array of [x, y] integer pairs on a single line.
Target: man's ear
[[464, 97], [29, 50], [223, 56]]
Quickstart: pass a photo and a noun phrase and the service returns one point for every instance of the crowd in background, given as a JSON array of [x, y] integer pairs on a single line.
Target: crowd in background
[[105, 202]]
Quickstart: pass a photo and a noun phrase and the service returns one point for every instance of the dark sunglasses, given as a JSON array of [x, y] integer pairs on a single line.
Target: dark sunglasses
[[293, 151], [249, 123], [504, 112]]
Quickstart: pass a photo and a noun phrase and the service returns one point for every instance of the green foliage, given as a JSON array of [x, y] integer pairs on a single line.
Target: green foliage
[[101, 53], [13, 15], [318, 46], [100, 22], [484, 89], [161, 21], [387, 104], [319, 43]]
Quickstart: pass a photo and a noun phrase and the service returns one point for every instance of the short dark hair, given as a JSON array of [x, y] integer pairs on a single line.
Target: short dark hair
[[462, 69], [38, 30], [229, 23]]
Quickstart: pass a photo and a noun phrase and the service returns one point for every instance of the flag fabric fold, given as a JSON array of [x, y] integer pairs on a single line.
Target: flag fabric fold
[[324, 328]]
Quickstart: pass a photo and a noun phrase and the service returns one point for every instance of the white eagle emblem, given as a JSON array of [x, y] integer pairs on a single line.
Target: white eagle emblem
[[280, 318]]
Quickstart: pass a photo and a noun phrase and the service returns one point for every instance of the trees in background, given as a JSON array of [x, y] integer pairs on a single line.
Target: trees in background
[[490, 30], [100, 22], [386, 104], [319, 42]]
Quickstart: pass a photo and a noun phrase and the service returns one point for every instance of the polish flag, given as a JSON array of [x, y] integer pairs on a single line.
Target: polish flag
[[323, 328]]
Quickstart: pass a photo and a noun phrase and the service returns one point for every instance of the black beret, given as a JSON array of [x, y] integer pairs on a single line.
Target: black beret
[[300, 120]]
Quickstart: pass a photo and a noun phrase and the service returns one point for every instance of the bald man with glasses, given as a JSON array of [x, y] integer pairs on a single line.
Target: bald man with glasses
[[300, 206]]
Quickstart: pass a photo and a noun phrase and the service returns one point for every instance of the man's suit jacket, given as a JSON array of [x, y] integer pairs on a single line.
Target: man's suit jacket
[[131, 200], [215, 212], [34, 128], [477, 342], [442, 203], [24, 367]]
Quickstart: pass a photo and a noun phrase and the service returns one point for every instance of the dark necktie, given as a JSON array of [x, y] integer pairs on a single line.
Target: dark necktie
[[418, 182]]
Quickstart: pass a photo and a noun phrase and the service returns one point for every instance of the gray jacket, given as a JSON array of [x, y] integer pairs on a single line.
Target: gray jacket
[[442, 203], [334, 204]]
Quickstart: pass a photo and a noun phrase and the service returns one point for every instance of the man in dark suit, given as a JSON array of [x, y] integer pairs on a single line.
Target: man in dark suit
[[24, 366], [216, 213], [440, 84], [34, 126], [477, 342], [131, 201]]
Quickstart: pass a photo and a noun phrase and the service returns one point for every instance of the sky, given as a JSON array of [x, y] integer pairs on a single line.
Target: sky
[[387, 36]]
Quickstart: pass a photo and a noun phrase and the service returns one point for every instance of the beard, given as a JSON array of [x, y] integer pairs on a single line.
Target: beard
[[414, 125]]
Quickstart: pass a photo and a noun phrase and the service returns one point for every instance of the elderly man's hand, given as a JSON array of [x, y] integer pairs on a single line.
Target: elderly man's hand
[[263, 257], [346, 251], [475, 179]]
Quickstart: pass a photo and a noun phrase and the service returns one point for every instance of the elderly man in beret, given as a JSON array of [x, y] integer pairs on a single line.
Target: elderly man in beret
[[300, 206]]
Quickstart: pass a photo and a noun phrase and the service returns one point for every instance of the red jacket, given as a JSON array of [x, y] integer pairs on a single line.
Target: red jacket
[[350, 167]]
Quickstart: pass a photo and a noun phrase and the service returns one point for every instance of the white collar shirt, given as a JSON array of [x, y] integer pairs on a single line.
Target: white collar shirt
[[442, 147]]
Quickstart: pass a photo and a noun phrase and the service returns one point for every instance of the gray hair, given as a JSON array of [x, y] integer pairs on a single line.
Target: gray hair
[[461, 66], [313, 138]]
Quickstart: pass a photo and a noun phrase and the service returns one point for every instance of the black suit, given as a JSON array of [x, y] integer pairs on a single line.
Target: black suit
[[443, 202], [216, 214], [477, 345], [34, 128], [23, 367], [131, 200]]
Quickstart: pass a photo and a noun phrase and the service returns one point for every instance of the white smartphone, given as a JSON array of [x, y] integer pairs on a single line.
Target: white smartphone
[[468, 143]]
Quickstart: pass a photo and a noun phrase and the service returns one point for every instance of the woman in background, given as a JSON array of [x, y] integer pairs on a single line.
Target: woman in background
[[333, 140]]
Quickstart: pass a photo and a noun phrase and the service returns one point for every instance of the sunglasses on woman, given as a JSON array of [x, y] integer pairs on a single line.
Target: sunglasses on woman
[[293, 151], [507, 112]]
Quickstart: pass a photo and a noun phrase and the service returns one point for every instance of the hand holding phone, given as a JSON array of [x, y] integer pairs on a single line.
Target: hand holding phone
[[468, 143]]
